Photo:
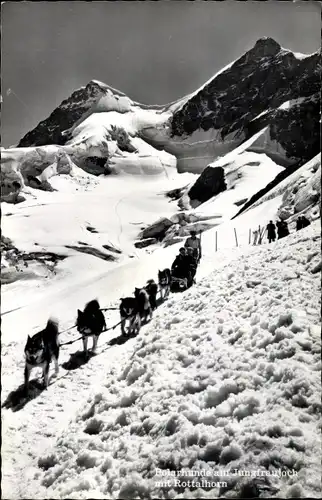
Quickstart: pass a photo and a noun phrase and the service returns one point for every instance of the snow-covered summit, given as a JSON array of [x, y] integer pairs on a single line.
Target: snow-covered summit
[[210, 121]]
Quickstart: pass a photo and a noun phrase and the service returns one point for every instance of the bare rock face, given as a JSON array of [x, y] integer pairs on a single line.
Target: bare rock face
[[295, 128], [145, 243], [94, 165], [156, 230], [259, 82], [263, 78], [210, 183], [49, 131], [175, 194]]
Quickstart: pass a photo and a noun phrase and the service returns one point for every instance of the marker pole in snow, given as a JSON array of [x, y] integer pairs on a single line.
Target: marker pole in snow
[[236, 237], [216, 241], [250, 237], [261, 235]]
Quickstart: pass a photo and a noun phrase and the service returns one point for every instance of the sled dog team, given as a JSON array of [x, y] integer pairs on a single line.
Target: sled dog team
[[43, 347]]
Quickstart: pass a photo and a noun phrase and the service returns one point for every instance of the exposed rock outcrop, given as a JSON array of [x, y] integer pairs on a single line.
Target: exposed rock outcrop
[[17, 265], [145, 243], [262, 79], [210, 183], [72, 109], [224, 113], [173, 230], [156, 230], [294, 127]]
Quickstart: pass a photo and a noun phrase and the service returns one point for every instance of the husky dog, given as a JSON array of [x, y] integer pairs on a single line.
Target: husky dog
[[129, 312], [152, 289], [144, 305], [40, 350], [90, 323], [164, 282]]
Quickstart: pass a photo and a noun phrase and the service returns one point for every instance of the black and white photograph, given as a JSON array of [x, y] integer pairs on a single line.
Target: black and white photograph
[[160, 250]]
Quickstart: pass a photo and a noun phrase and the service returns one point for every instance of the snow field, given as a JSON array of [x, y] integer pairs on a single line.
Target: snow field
[[226, 377]]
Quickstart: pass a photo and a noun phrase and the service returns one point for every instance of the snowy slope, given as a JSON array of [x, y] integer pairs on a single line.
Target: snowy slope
[[226, 375], [92, 218], [215, 382], [245, 174]]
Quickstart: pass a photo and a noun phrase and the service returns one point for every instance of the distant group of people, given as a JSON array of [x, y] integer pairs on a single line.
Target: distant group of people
[[302, 222], [186, 263], [282, 228]]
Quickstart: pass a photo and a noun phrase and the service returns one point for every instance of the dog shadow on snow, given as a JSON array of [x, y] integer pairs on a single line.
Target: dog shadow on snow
[[17, 399], [121, 339], [77, 359]]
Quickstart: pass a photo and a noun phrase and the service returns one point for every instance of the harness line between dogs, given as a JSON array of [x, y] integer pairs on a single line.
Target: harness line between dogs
[[67, 329], [106, 330], [69, 342]]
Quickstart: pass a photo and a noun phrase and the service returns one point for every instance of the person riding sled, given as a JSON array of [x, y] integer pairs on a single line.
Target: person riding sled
[[194, 243], [179, 266]]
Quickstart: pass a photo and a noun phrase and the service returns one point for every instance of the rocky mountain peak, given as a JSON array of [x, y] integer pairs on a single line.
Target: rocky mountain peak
[[260, 81], [72, 109], [267, 46]]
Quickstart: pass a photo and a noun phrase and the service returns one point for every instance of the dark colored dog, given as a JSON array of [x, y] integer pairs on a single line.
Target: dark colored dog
[[164, 278], [40, 350], [144, 305], [152, 289], [130, 316], [90, 323]]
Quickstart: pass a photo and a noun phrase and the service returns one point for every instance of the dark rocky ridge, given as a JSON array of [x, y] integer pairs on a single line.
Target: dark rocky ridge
[[259, 81], [296, 129], [49, 131], [210, 183], [262, 79]]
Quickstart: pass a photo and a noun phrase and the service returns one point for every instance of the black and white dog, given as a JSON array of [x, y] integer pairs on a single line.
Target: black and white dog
[[130, 316], [152, 289], [144, 305], [90, 323], [40, 350], [164, 278]]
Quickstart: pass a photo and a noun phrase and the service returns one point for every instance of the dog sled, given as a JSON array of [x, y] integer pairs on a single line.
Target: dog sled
[[178, 284]]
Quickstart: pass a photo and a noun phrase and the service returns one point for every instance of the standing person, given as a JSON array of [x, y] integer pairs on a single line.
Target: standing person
[[280, 229], [299, 223], [286, 231], [305, 221], [271, 234], [194, 242]]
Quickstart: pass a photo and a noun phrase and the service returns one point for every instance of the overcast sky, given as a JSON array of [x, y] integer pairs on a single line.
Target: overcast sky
[[155, 52]]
